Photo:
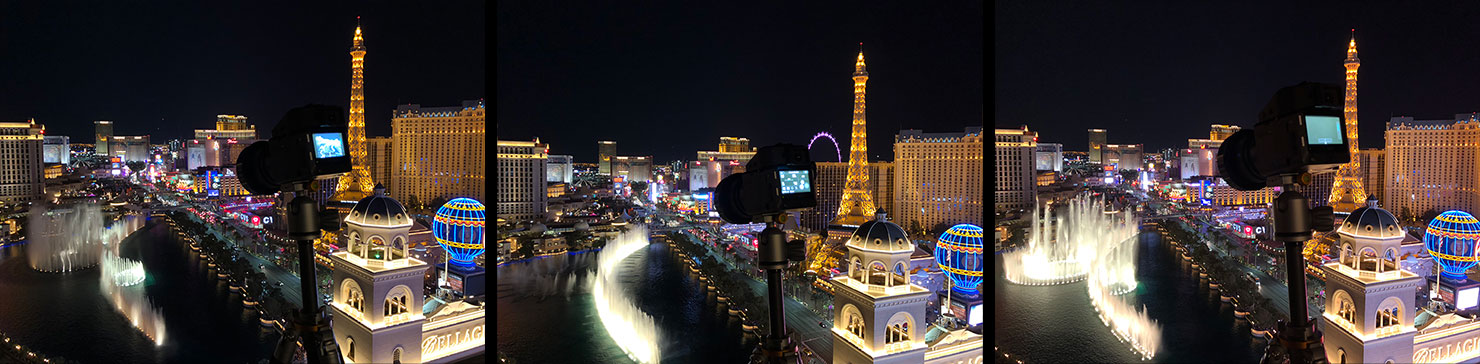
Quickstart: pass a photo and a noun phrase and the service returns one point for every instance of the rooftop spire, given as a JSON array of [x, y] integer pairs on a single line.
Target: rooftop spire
[[359, 40], [1351, 48], [858, 68]]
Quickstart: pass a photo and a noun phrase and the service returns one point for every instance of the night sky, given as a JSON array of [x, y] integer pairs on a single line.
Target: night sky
[[1159, 74], [166, 69], [669, 82]]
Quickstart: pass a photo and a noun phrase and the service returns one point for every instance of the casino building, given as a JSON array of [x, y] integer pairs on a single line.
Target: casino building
[[380, 312], [880, 315], [1372, 315]]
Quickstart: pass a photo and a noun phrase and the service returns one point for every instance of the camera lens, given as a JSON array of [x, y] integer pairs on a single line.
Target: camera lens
[[250, 171], [727, 200], [1236, 162]]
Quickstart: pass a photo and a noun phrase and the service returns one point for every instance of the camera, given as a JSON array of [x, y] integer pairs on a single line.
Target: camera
[[1299, 132], [307, 144], [779, 178]]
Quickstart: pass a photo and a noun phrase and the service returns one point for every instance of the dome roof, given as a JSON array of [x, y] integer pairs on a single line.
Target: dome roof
[[582, 225], [538, 227], [378, 210], [880, 234], [1371, 222]]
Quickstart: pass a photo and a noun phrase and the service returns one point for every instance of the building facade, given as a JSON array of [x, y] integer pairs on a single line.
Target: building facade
[[605, 150], [1097, 139], [378, 154], [1221, 132], [21, 177], [1124, 156], [636, 168], [881, 175], [938, 176], [228, 127], [130, 148], [559, 169], [1049, 157], [439, 152], [1372, 168], [56, 149], [102, 133], [830, 178], [521, 180], [1432, 164], [381, 311], [1014, 171]]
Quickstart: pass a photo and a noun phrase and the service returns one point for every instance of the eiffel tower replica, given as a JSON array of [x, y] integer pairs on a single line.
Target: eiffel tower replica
[[857, 205], [1347, 193], [356, 184]]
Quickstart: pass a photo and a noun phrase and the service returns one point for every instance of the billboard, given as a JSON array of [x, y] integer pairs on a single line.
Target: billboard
[[455, 281], [1467, 298]]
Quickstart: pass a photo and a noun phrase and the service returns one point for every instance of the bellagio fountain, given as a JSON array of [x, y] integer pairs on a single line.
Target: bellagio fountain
[[1086, 241], [71, 238]]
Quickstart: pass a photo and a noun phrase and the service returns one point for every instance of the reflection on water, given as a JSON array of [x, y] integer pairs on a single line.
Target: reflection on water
[[1057, 324], [63, 315], [546, 313]]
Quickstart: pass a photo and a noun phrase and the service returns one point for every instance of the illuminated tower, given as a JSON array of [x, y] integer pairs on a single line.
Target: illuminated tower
[[1346, 192], [1369, 317], [858, 203], [356, 184], [879, 315]]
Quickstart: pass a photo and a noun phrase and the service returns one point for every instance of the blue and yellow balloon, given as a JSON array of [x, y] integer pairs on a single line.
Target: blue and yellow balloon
[[458, 227]]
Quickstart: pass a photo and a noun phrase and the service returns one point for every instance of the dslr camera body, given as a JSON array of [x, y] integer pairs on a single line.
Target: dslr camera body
[[778, 179], [307, 144], [1300, 131]]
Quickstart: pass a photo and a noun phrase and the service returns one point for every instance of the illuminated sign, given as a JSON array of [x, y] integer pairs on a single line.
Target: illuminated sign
[[1467, 298], [1248, 230], [1449, 348], [433, 346], [455, 282], [975, 318]]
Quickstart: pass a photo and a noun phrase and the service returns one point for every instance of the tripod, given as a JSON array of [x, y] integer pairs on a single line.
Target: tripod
[[1298, 340], [310, 324], [773, 253]]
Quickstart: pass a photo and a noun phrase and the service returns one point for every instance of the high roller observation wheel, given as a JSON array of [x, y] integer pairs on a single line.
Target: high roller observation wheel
[[836, 149]]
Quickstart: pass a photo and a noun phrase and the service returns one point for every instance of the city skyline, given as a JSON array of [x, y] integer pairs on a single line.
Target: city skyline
[[708, 71], [164, 70], [1159, 80]]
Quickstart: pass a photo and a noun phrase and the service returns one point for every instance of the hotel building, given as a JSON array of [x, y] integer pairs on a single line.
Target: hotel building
[[559, 169], [378, 156], [1014, 170], [1050, 157], [938, 176], [1432, 164], [20, 161], [605, 150], [521, 180], [830, 179], [440, 152], [102, 132], [228, 127], [1097, 140]]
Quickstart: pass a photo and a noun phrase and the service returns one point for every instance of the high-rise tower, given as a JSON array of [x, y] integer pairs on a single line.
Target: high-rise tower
[[858, 203], [1347, 193], [356, 184]]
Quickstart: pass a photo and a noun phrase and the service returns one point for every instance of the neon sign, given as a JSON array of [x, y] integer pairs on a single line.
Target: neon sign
[[1466, 349], [433, 346]]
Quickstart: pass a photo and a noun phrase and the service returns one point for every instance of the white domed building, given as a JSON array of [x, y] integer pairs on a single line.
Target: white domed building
[[879, 316], [380, 312], [1373, 314]]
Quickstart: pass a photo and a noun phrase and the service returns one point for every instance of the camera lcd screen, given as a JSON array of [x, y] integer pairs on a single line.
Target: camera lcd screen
[[795, 182], [1323, 130], [328, 145]]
